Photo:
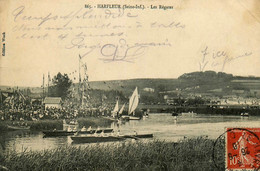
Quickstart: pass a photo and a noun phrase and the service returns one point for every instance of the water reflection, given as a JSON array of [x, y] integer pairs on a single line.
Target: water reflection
[[163, 126]]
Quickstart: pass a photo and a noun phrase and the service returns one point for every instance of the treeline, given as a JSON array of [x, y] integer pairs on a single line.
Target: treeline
[[214, 76], [206, 76]]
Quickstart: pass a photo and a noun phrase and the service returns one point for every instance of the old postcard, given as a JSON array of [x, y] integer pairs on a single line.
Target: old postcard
[[129, 85]]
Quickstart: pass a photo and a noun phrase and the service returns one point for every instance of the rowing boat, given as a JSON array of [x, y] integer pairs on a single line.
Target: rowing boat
[[95, 139], [139, 136], [55, 133], [126, 117]]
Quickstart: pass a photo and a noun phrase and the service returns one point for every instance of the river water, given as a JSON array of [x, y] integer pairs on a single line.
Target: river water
[[163, 126]]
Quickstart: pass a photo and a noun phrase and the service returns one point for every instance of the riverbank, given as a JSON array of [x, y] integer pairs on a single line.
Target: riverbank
[[189, 154], [204, 109], [56, 124]]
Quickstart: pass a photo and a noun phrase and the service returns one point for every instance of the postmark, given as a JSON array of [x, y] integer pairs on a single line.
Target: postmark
[[242, 149]]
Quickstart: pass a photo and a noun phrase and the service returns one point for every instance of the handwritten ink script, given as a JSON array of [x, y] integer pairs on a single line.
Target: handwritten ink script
[[97, 30], [121, 51], [218, 58]]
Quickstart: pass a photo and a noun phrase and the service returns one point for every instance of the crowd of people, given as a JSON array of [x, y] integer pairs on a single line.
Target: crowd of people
[[39, 112]]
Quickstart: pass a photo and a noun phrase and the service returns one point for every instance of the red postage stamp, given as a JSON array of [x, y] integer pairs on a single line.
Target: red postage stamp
[[243, 149]]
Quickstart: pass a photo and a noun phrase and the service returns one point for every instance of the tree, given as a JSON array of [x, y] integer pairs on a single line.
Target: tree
[[61, 86]]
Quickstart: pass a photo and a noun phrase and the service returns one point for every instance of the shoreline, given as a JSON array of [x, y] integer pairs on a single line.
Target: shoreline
[[49, 124]]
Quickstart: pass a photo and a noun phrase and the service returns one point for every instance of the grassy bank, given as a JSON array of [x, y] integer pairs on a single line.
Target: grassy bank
[[57, 124], [190, 154]]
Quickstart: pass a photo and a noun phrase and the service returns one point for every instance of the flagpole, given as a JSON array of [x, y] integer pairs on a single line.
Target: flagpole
[[82, 98], [85, 82], [80, 82], [43, 86], [48, 83]]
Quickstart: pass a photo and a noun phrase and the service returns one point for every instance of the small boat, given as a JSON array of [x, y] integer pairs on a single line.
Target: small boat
[[139, 136], [124, 118], [95, 139], [115, 111], [98, 131], [18, 127], [133, 104], [146, 113], [127, 117], [175, 114], [55, 133], [134, 118], [245, 114]]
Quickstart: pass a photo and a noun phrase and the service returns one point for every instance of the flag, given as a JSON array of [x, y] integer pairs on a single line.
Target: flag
[[43, 80], [85, 66], [49, 77]]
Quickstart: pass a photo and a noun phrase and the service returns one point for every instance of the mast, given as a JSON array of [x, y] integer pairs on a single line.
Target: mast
[[85, 82], [82, 97], [82, 83], [48, 83], [43, 93]]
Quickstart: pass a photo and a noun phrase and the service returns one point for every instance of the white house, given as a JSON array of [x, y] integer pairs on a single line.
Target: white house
[[50, 102], [147, 89]]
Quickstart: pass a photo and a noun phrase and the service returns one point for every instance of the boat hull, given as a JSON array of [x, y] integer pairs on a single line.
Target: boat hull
[[109, 130], [245, 114], [127, 118], [139, 136], [175, 114], [56, 133], [124, 118], [134, 118], [18, 127], [96, 139]]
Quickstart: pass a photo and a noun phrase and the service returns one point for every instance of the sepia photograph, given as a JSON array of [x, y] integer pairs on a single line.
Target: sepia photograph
[[143, 85]]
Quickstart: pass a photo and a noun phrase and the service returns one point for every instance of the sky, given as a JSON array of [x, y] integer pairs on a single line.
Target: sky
[[44, 37]]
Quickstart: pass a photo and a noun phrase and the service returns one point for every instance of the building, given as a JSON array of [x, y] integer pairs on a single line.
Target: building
[[52, 102], [147, 89]]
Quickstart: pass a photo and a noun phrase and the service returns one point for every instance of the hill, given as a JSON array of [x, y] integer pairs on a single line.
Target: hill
[[208, 83]]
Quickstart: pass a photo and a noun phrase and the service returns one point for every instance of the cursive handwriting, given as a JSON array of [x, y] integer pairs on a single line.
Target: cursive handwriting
[[82, 13], [78, 43], [115, 52], [215, 58], [92, 30], [122, 51]]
